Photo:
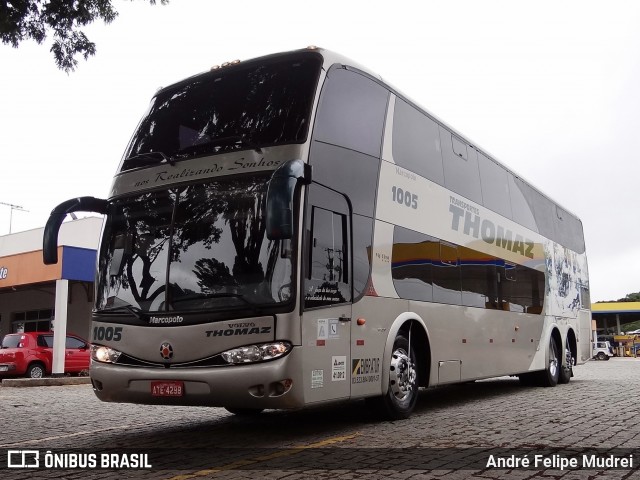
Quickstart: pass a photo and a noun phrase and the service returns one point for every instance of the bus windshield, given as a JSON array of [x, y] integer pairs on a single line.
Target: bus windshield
[[193, 247], [245, 106]]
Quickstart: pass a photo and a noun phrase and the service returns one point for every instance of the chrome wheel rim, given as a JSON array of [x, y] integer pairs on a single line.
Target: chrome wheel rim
[[553, 360], [402, 375], [568, 356]]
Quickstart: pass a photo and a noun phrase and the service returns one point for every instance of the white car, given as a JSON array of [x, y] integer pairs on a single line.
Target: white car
[[602, 350]]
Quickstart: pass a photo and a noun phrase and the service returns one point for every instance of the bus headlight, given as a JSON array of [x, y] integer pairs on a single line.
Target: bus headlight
[[103, 354], [256, 353]]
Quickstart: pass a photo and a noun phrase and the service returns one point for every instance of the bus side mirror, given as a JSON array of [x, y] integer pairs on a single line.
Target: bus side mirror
[[280, 196], [51, 229]]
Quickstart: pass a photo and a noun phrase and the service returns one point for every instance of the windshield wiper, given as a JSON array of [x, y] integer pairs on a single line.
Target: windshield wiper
[[134, 310], [149, 158], [204, 296]]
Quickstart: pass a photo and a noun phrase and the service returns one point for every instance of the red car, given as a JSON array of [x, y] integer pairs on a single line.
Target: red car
[[30, 354]]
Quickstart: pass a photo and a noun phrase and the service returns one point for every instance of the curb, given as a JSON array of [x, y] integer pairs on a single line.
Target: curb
[[44, 382]]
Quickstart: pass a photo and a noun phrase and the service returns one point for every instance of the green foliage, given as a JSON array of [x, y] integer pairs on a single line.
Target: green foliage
[[630, 327], [35, 19], [631, 297]]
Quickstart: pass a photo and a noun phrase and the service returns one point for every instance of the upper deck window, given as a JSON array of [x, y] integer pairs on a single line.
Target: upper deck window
[[241, 107], [351, 112], [416, 142]]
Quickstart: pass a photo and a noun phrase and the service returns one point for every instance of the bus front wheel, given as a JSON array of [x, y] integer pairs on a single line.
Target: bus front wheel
[[402, 394]]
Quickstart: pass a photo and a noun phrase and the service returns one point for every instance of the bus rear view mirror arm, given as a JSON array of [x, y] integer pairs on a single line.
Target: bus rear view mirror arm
[[280, 197], [57, 216]]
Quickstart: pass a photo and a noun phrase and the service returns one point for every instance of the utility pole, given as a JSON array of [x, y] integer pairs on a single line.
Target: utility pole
[[12, 207]]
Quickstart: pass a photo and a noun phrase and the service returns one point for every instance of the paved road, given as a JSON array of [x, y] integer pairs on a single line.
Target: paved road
[[456, 432]]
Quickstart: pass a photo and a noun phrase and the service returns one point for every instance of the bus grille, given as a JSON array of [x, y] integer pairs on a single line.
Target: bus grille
[[127, 360]]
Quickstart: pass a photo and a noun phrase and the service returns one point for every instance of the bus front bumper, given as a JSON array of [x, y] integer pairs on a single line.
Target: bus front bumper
[[273, 384]]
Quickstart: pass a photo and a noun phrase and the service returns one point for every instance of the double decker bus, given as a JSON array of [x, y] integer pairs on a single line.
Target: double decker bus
[[291, 231]]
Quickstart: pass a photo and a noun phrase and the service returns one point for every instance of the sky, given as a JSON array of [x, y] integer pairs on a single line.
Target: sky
[[549, 88]]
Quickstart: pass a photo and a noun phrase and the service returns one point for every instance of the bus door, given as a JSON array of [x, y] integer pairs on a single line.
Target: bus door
[[326, 288]]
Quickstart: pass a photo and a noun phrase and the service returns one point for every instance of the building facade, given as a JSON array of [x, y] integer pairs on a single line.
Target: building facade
[[38, 297]]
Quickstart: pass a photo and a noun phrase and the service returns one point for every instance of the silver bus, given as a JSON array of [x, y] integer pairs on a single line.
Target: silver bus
[[291, 231]]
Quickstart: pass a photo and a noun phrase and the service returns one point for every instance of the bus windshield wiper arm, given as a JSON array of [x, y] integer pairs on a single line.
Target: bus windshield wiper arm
[[150, 158], [202, 296], [134, 310]]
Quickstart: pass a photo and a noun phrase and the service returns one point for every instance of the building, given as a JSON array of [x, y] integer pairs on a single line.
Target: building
[[614, 318], [39, 297], [617, 322]]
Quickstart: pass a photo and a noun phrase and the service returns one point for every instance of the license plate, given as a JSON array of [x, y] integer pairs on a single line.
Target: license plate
[[167, 389], [4, 368]]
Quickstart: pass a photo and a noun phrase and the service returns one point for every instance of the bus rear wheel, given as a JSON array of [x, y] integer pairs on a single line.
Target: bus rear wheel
[[402, 394], [566, 370]]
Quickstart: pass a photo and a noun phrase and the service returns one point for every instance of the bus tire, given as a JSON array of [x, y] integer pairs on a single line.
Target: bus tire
[[566, 370], [550, 375], [244, 412], [402, 394]]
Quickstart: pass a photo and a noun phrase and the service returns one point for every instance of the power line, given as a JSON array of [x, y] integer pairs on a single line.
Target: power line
[[12, 208]]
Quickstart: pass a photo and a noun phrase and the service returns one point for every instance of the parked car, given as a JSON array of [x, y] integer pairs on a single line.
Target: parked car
[[602, 350], [30, 354]]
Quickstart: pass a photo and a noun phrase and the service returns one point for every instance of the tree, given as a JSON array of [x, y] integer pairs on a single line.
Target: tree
[[631, 297], [35, 19]]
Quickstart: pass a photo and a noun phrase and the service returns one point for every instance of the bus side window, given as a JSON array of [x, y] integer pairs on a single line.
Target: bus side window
[[507, 290], [521, 289], [495, 186], [479, 279], [412, 259], [351, 112], [460, 163], [416, 142], [446, 276]]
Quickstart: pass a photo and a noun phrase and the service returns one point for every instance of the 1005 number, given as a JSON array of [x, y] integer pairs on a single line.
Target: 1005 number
[[107, 333], [404, 197]]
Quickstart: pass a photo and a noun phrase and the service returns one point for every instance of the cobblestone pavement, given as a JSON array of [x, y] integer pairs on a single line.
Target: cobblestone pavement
[[455, 433]]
